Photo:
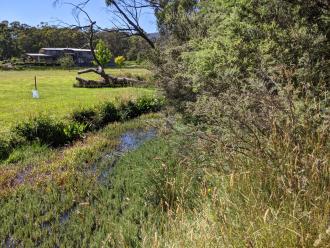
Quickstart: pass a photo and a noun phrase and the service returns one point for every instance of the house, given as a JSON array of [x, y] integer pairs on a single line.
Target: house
[[81, 57]]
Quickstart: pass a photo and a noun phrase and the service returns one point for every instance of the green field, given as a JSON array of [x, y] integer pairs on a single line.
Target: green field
[[57, 95]]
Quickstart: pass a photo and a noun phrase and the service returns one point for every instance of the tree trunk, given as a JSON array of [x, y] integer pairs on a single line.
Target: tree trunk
[[108, 80]]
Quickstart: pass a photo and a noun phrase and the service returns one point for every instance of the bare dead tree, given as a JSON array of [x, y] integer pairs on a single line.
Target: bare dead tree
[[128, 14], [91, 29], [125, 15]]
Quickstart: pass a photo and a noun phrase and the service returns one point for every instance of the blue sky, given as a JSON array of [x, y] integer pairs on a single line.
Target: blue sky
[[32, 12]]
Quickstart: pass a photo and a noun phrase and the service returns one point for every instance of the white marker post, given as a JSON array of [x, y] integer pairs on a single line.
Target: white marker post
[[35, 93]]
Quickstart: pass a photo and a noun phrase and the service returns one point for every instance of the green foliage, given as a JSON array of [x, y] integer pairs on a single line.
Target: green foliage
[[87, 117], [102, 53], [252, 78], [128, 110], [132, 109], [66, 62], [177, 18], [55, 133], [74, 131], [21, 38], [7, 45], [138, 49], [120, 61], [108, 113], [27, 153], [231, 44], [150, 104], [17, 38], [44, 130], [4, 149]]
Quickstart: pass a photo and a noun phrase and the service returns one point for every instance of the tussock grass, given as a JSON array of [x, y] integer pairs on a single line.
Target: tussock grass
[[265, 182]]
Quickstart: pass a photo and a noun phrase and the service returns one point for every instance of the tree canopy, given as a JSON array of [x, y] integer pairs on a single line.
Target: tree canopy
[[17, 38]]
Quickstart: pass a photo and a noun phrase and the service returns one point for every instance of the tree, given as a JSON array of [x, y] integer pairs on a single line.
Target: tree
[[107, 79], [102, 53], [7, 43], [117, 42], [237, 43], [66, 61], [137, 49], [126, 15], [17, 39]]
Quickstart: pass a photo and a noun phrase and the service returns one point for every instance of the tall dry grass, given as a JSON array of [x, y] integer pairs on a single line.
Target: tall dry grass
[[263, 162]]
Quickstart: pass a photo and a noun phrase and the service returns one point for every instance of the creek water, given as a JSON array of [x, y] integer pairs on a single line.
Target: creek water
[[128, 141]]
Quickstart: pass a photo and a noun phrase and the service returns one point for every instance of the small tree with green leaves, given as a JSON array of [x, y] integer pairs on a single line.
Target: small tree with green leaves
[[102, 53], [120, 61], [66, 62]]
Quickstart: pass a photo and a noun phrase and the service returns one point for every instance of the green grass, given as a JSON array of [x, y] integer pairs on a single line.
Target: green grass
[[173, 191], [61, 180], [57, 96]]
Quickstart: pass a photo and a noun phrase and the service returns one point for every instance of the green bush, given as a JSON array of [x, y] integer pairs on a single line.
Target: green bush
[[149, 104], [55, 133], [235, 43], [74, 130], [43, 129], [4, 149], [66, 62], [108, 113], [142, 105], [88, 117], [128, 110]]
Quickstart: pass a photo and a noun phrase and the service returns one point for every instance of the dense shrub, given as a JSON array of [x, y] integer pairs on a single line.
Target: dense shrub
[[132, 109], [4, 149], [128, 110], [149, 104], [88, 117], [66, 62], [108, 113], [74, 131], [252, 80], [96, 117], [55, 133], [229, 43], [43, 129]]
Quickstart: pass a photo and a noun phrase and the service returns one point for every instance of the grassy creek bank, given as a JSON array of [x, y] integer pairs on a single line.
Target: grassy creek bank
[[82, 195], [139, 184]]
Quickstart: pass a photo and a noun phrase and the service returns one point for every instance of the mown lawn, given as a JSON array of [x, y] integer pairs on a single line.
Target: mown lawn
[[57, 95]]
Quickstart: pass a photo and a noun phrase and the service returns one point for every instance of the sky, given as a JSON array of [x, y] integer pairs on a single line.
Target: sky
[[33, 12]]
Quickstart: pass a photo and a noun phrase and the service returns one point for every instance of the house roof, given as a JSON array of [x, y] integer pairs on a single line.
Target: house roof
[[37, 55], [61, 49]]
